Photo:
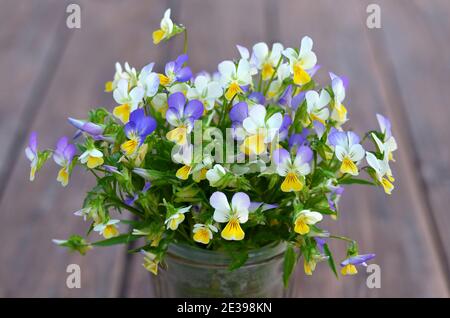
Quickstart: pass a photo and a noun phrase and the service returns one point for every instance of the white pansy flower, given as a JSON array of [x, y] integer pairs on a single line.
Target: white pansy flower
[[304, 219], [92, 158], [316, 105], [205, 90], [108, 229], [302, 61], [177, 218], [234, 214], [203, 233], [148, 80], [234, 77], [266, 60], [260, 131], [166, 28], [128, 100], [215, 174], [382, 171]]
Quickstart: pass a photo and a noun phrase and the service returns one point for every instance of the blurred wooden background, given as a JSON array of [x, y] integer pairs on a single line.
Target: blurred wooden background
[[401, 70]]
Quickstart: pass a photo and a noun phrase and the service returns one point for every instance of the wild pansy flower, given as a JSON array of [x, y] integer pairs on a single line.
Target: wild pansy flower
[[299, 139], [388, 142], [150, 262], [234, 77], [203, 233], [32, 154], [205, 90], [260, 131], [349, 265], [316, 105], [182, 115], [129, 74], [63, 156], [108, 229], [302, 61], [148, 80], [347, 149], [339, 113], [266, 60], [128, 100], [304, 219], [92, 157], [175, 71], [284, 128], [233, 215], [382, 170], [165, 28], [183, 155], [137, 129], [294, 169], [176, 218]]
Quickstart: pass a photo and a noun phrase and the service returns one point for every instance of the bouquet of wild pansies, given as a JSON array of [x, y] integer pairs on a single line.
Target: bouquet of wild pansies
[[253, 154]]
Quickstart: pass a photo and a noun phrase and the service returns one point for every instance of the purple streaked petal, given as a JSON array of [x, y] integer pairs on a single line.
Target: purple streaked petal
[[183, 58], [320, 243], [147, 186], [280, 155], [353, 138], [33, 142], [314, 70], [69, 152], [77, 123], [194, 109], [319, 128], [337, 138], [92, 129], [385, 125], [170, 67], [111, 169], [297, 140], [305, 154], [137, 115], [286, 97], [130, 129], [62, 144], [145, 127], [257, 97], [297, 100], [129, 200], [184, 74], [358, 259], [239, 112], [245, 88], [177, 102]]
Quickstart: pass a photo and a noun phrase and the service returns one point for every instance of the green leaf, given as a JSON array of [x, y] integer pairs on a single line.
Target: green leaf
[[330, 259], [290, 260], [121, 239], [355, 181]]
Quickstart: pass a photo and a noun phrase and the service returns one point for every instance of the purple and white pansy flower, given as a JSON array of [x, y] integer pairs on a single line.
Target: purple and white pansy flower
[[63, 156], [349, 264], [32, 154], [293, 169], [182, 116], [175, 71], [136, 130], [347, 150]]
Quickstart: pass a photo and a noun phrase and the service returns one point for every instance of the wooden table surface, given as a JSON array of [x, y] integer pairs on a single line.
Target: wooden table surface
[[401, 70]]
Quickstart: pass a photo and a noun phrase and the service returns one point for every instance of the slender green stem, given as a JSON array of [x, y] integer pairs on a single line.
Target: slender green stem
[[343, 238], [273, 75], [127, 207], [185, 44]]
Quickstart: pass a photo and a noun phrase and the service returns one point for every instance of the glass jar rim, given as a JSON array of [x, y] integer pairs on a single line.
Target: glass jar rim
[[195, 256]]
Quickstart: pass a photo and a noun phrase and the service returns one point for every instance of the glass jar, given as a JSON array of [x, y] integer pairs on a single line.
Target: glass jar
[[194, 272]]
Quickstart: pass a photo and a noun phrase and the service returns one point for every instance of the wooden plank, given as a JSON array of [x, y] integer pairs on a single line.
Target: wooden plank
[[419, 72], [395, 227], [31, 264], [213, 36], [30, 47]]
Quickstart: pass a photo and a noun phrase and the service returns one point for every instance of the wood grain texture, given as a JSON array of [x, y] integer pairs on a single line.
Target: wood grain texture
[[394, 227], [34, 213], [401, 71], [30, 48], [416, 66]]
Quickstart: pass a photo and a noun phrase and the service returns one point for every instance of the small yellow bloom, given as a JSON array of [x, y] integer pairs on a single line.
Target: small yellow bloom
[[349, 269], [267, 71], [183, 172], [203, 233], [309, 267], [109, 87], [291, 183], [109, 229], [178, 135], [232, 90], [304, 219], [348, 166], [123, 112], [63, 176]]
